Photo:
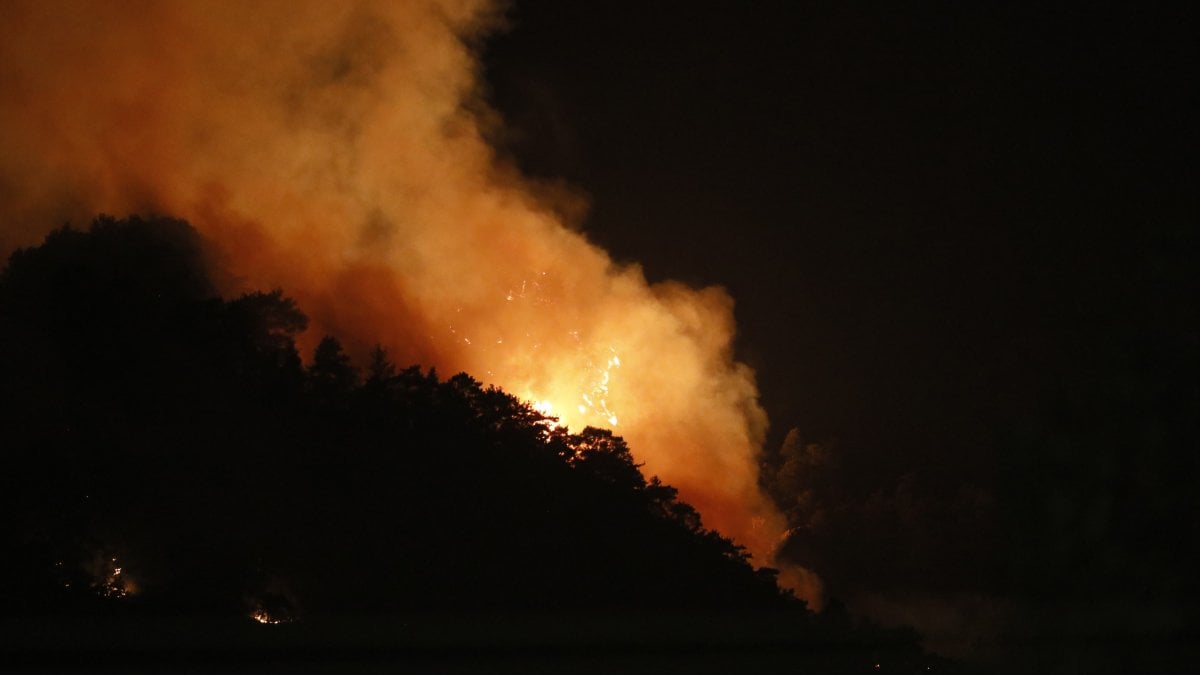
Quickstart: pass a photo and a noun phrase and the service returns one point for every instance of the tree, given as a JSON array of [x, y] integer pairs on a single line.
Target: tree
[[380, 370], [331, 376], [413, 484], [270, 320], [600, 453]]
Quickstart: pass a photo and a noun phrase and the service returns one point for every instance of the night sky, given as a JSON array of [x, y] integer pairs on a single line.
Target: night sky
[[958, 235], [916, 210]]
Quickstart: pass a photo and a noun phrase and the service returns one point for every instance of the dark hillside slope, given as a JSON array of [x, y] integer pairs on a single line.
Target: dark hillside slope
[[171, 468], [150, 421]]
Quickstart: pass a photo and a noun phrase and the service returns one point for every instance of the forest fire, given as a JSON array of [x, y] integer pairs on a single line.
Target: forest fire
[[331, 150], [262, 616], [587, 404], [110, 580]]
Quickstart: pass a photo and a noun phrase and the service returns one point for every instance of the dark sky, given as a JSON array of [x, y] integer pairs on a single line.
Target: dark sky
[[960, 238], [916, 210]]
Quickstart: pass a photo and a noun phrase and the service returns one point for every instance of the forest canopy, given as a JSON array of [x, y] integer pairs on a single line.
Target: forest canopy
[[172, 446]]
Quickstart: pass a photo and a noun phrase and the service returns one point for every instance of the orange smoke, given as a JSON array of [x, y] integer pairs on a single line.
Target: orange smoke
[[336, 150]]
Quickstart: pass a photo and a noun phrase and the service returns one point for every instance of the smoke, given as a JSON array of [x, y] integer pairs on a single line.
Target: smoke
[[337, 150]]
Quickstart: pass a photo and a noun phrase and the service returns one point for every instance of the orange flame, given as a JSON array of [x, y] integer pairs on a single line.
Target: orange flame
[[264, 617], [331, 149]]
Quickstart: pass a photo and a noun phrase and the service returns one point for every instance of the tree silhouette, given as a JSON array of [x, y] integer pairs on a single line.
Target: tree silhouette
[[331, 374], [152, 421], [601, 454], [380, 370]]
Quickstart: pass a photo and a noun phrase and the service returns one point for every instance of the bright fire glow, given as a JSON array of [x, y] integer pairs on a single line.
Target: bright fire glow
[[331, 149], [264, 617], [582, 402], [111, 582]]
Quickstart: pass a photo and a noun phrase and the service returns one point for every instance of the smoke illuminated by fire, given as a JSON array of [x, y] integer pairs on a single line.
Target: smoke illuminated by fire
[[337, 150]]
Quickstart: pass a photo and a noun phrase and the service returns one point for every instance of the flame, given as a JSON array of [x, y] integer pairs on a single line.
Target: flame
[[262, 616], [337, 150], [110, 580], [583, 400]]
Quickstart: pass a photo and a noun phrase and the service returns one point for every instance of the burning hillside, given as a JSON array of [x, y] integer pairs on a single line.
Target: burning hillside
[[337, 150]]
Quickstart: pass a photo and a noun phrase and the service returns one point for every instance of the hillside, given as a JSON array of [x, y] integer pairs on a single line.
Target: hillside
[[169, 453]]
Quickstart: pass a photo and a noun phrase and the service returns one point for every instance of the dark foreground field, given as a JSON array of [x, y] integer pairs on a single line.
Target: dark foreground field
[[704, 642], [505, 643]]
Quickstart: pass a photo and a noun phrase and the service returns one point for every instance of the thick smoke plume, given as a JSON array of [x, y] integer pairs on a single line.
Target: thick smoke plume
[[337, 150]]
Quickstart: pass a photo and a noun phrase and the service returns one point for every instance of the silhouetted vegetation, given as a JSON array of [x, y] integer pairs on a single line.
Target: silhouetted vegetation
[[168, 449]]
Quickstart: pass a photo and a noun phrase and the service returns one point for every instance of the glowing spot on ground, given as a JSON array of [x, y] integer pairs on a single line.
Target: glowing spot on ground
[[111, 581], [264, 617]]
